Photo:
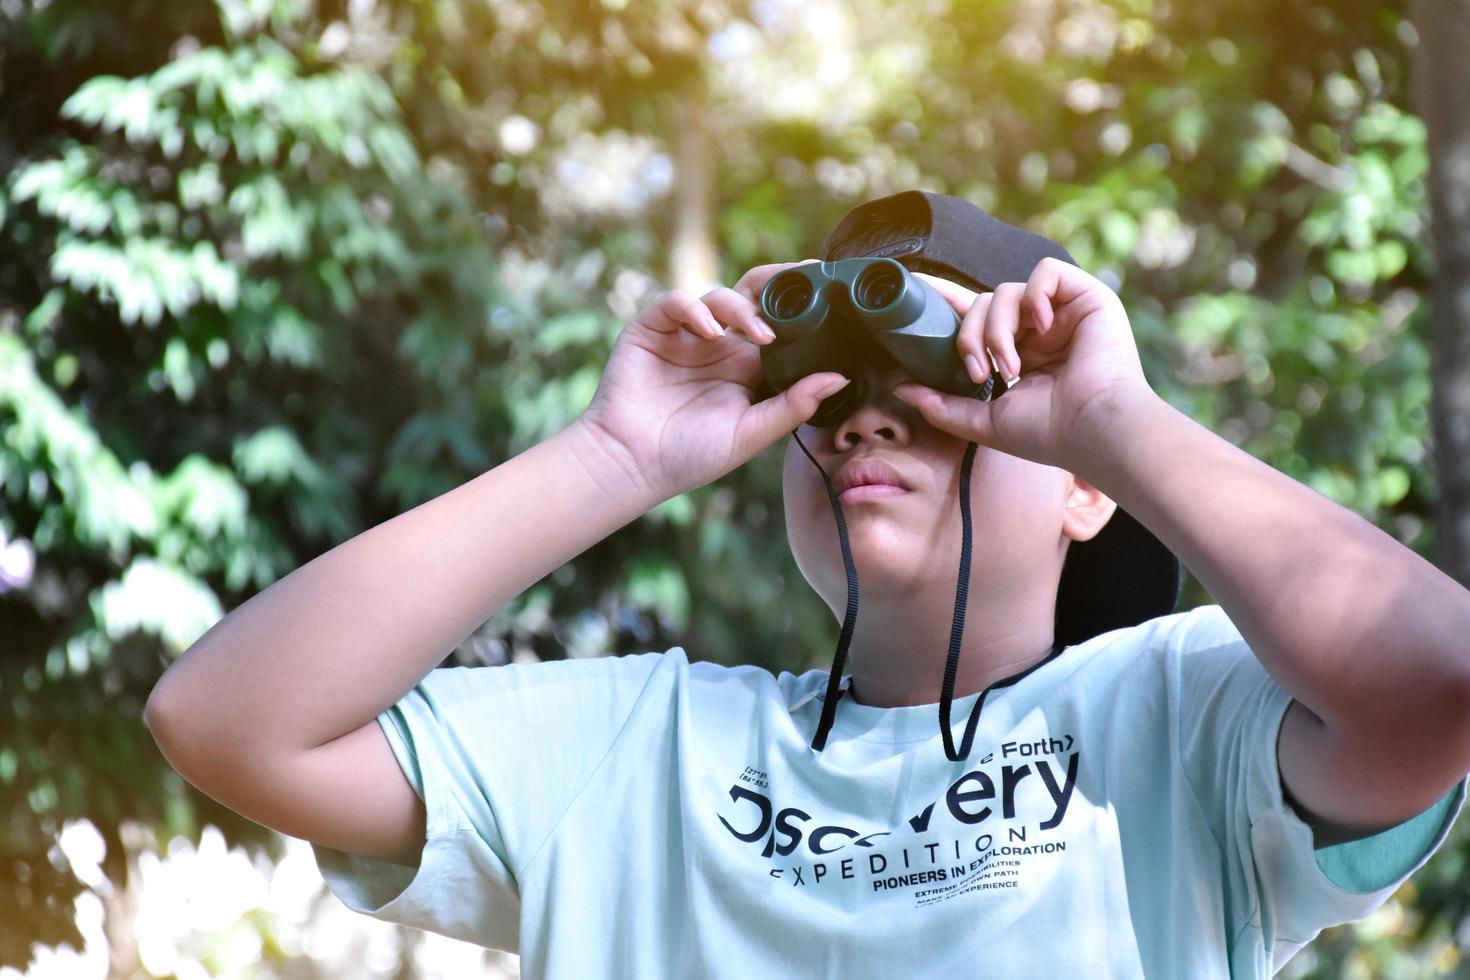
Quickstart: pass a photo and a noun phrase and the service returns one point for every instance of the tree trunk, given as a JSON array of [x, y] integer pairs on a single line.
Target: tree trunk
[[120, 907], [1441, 90], [692, 261]]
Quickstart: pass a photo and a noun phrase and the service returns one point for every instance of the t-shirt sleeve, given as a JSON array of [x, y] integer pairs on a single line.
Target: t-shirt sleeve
[[497, 754], [1283, 890]]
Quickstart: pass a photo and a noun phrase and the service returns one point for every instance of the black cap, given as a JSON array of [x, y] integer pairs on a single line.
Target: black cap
[[1123, 575], [961, 242]]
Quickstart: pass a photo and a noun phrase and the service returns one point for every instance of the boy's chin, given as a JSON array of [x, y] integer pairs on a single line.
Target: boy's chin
[[883, 570]]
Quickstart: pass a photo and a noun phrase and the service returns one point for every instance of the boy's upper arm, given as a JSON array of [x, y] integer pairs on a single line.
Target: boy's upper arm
[[1335, 791], [1232, 723], [351, 794]]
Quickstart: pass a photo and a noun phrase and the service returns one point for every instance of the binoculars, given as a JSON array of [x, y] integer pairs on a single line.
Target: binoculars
[[834, 316]]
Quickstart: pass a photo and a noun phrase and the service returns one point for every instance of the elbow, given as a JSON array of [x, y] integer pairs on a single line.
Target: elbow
[[162, 715], [181, 752], [190, 731], [153, 709], [167, 722]]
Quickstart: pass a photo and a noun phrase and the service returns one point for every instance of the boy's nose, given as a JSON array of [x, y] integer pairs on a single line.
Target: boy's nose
[[881, 414]]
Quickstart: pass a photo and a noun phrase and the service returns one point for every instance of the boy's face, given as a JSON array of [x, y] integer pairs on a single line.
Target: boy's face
[[907, 544]]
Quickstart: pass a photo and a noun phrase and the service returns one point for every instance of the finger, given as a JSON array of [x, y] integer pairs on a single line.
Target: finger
[[734, 310], [963, 417], [1060, 295], [1063, 282], [1002, 323], [678, 308], [960, 297], [971, 340], [774, 417], [1036, 300]]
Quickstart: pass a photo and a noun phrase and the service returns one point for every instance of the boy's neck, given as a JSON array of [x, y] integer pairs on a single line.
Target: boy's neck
[[884, 679]]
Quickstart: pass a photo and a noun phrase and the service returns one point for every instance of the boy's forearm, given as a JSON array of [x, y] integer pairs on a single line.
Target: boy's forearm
[[1357, 627], [331, 645]]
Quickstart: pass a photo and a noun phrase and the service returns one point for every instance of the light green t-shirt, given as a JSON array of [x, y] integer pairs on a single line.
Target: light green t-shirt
[[1120, 815]]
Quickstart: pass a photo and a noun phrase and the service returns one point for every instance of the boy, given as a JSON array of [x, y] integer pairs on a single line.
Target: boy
[[1118, 808]]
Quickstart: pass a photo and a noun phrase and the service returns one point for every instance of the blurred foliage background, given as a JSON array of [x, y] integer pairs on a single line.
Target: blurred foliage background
[[273, 271]]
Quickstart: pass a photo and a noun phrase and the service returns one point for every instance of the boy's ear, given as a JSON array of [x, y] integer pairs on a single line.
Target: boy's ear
[[1088, 509]]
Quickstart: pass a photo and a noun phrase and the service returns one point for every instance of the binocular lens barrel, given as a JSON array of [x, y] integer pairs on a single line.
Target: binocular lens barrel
[[791, 296], [841, 314], [879, 286]]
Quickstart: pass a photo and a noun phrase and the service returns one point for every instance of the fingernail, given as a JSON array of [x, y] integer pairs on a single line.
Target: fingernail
[[833, 387], [972, 363]]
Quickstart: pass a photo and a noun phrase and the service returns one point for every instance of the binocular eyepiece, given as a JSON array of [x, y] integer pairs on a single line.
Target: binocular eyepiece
[[873, 289], [837, 315]]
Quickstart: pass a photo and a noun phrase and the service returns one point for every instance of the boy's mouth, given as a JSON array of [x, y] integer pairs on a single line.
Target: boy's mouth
[[870, 491], [866, 477]]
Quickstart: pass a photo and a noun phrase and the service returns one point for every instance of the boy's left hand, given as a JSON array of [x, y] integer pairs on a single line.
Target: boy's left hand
[[1068, 336]]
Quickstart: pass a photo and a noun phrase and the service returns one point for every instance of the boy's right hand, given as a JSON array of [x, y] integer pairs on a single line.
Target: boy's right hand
[[674, 406]]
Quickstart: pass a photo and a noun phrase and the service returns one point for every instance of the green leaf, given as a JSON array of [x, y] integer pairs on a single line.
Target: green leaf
[[656, 583], [1119, 233], [1393, 484], [160, 599], [568, 330]]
